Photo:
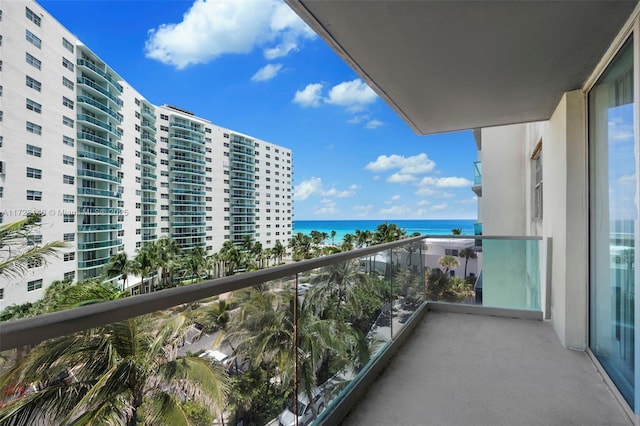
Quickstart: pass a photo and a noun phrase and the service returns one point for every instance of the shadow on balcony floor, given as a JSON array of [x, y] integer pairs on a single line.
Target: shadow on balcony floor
[[460, 369]]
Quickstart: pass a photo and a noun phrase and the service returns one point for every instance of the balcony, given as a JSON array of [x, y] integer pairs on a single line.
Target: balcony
[[477, 178], [86, 137], [438, 366]]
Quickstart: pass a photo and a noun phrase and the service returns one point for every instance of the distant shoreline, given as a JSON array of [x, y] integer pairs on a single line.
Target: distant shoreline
[[344, 226]]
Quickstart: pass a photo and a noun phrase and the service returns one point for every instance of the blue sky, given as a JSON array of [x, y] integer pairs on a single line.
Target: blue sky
[[255, 67]]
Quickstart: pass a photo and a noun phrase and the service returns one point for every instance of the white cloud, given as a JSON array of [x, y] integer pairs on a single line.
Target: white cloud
[[416, 164], [445, 182], [374, 124], [423, 203], [213, 28], [310, 96], [357, 119], [395, 211], [471, 200], [306, 188], [400, 178], [354, 95], [314, 186], [392, 199], [362, 210], [327, 207], [350, 192], [626, 180], [267, 72], [438, 207], [426, 191]]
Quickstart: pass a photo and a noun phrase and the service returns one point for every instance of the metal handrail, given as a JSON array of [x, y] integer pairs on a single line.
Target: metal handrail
[[30, 331]]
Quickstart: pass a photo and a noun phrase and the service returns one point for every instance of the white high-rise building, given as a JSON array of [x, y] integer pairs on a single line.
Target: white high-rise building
[[110, 170]]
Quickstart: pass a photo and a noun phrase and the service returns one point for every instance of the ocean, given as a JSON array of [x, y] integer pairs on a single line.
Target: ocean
[[342, 227]]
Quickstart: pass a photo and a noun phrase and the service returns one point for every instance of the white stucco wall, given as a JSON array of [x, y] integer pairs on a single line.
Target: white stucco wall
[[503, 180], [566, 218]]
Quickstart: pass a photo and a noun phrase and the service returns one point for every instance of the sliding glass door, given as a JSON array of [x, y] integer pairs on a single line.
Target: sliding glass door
[[613, 147]]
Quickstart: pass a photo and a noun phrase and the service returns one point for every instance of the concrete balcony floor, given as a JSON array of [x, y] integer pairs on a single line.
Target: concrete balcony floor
[[460, 369]]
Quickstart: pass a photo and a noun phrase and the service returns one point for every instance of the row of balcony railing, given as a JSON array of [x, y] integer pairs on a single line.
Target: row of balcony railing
[[399, 279]]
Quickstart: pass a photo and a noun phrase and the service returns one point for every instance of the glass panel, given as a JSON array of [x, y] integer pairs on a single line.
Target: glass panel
[[614, 215], [501, 273], [407, 283]]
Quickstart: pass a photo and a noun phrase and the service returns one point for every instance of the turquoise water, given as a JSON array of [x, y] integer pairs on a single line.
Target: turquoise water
[[342, 227]]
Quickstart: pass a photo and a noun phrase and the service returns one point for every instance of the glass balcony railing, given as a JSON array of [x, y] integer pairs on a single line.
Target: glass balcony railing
[[477, 173], [102, 73], [296, 340], [98, 175], [99, 193], [505, 273], [101, 158], [99, 89], [98, 244], [477, 228], [99, 123], [95, 263], [84, 136], [100, 227], [100, 106]]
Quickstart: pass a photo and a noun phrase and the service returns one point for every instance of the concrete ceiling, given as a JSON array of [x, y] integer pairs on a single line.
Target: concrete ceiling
[[452, 65]]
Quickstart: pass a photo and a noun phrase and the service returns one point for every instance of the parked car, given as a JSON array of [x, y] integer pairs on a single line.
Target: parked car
[[306, 412]]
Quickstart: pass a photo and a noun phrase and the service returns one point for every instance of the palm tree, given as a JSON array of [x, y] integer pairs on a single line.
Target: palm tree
[[456, 231], [119, 266], [347, 242], [301, 246], [467, 253], [195, 262], [333, 236], [121, 373], [16, 254], [262, 333], [144, 263], [278, 251], [168, 251], [448, 262]]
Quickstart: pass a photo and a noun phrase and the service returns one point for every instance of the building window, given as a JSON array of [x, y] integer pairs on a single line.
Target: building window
[[68, 141], [70, 180], [31, 38], [34, 173], [34, 128], [68, 198], [34, 106], [67, 83], [67, 160], [34, 285], [34, 195], [70, 236], [68, 218], [69, 275], [67, 121], [31, 60], [36, 151], [67, 64], [31, 15], [67, 102], [1, 293], [67, 44], [69, 256], [34, 84], [34, 239]]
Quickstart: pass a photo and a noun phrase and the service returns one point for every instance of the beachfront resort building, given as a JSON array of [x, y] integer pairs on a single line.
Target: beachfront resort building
[[109, 169], [553, 91]]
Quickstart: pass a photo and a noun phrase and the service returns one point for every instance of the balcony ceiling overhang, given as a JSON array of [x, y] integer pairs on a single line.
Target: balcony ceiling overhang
[[453, 65]]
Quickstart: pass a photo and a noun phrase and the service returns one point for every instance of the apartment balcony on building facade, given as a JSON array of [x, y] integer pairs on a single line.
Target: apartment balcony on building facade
[[436, 356], [99, 185]]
